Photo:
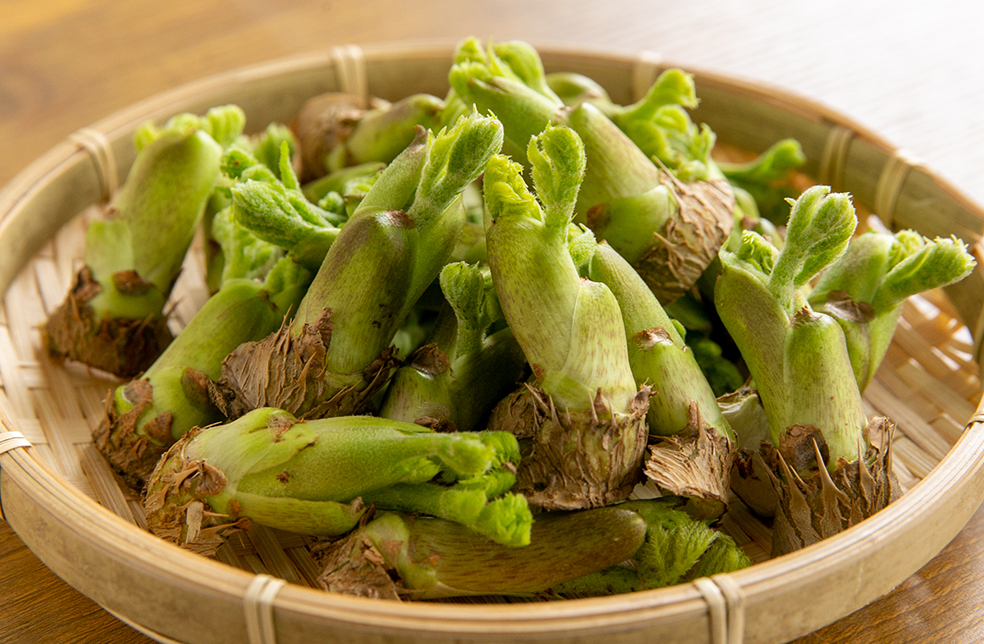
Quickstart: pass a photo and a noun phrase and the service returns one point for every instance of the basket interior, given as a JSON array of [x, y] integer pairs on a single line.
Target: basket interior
[[928, 383]]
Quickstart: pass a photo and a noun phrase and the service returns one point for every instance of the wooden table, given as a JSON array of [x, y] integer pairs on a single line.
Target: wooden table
[[914, 76]]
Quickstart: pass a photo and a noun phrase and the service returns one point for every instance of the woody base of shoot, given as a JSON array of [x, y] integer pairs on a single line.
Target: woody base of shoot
[[814, 503], [289, 371], [574, 459], [121, 346]]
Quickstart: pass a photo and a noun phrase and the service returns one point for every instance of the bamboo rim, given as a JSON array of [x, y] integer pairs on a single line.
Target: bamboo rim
[[956, 481]]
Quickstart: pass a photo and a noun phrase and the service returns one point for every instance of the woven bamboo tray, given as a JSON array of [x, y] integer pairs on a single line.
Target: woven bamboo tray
[[60, 497]]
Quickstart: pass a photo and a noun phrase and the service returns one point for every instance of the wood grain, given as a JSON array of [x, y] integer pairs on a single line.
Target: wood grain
[[40, 608], [67, 63]]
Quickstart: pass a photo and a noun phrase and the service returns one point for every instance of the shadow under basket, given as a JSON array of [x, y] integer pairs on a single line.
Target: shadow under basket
[[60, 497]]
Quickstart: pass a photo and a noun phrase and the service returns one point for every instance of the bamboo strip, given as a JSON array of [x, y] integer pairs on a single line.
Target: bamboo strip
[[226, 555], [301, 558], [890, 182], [918, 461], [717, 609], [733, 530], [32, 376], [101, 152], [734, 596], [12, 440], [241, 543], [63, 392], [894, 356], [949, 429], [43, 452], [901, 390], [255, 564], [136, 508], [751, 526], [92, 399], [65, 245], [272, 553], [14, 388], [30, 315], [648, 66], [915, 428], [50, 284], [904, 475], [933, 389], [910, 341], [66, 460], [157, 637], [835, 151], [258, 607], [756, 553], [105, 486], [962, 379]]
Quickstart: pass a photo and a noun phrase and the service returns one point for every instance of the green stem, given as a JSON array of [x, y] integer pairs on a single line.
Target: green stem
[[147, 415], [657, 353], [821, 388]]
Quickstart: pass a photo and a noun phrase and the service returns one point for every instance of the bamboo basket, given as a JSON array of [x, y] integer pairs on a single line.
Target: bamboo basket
[[60, 497]]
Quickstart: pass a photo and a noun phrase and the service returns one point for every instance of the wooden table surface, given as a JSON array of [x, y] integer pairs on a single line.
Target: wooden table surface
[[911, 73]]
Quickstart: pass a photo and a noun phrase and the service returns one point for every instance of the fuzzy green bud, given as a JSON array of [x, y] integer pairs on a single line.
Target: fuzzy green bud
[[820, 227]]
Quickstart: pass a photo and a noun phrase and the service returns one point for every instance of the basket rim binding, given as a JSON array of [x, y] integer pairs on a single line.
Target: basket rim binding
[[959, 470]]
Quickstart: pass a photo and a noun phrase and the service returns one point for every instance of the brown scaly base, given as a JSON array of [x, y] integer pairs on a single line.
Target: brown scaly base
[[120, 346], [173, 505], [752, 483], [826, 503], [290, 372], [695, 463], [353, 566], [691, 240], [574, 460], [132, 453]]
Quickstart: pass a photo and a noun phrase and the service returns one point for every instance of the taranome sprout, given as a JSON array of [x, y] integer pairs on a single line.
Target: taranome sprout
[[272, 207], [261, 148], [432, 558], [113, 317], [633, 546], [147, 415], [830, 466], [677, 548], [668, 229], [320, 477], [452, 382], [763, 185], [259, 284], [659, 125], [334, 357], [864, 290], [583, 418]]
